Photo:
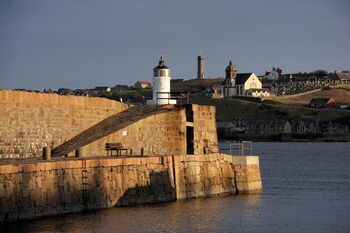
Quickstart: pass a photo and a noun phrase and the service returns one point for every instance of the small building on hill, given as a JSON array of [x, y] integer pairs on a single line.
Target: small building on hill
[[332, 77], [142, 84], [274, 74], [344, 76], [246, 81], [322, 103]]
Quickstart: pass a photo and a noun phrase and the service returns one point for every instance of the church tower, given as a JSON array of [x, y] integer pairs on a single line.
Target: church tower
[[231, 73], [229, 86]]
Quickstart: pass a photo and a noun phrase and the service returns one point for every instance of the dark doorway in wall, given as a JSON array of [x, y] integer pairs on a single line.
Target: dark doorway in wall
[[189, 140]]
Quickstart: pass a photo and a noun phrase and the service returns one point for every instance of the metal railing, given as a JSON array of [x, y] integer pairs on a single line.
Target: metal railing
[[178, 96], [243, 148]]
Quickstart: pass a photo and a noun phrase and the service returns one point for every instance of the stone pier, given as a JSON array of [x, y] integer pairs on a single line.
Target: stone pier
[[48, 187]]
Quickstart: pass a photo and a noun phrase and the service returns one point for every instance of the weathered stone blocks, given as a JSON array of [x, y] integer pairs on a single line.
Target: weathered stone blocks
[[51, 187], [31, 121]]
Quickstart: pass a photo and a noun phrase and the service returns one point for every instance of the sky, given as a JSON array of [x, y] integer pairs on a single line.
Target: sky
[[86, 43]]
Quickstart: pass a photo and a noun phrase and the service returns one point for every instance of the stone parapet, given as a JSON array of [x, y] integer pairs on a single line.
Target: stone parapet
[[30, 98], [30, 121], [39, 188]]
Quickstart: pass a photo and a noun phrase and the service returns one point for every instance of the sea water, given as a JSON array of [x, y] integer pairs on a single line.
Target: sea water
[[306, 189]]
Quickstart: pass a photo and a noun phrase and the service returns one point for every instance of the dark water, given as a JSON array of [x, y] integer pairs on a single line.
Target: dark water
[[306, 189]]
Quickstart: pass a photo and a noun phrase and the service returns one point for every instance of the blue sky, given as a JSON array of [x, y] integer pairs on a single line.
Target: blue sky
[[87, 43]]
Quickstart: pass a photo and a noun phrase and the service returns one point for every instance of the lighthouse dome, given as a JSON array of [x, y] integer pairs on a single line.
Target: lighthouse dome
[[161, 70], [161, 64]]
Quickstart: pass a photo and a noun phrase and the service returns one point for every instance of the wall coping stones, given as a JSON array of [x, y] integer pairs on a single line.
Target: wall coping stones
[[25, 97], [78, 163]]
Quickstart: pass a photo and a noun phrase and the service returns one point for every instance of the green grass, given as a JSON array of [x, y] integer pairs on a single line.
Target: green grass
[[194, 85], [231, 108]]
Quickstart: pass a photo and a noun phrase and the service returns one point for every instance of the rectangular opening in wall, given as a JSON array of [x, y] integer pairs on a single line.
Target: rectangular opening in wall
[[189, 140], [189, 113]]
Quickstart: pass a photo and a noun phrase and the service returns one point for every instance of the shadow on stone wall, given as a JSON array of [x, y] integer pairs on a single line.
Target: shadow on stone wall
[[158, 190]]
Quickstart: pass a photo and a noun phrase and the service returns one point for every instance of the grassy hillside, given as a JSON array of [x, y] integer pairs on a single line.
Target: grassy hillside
[[130, 94], [193, 85], [340, 94], [231, 108]]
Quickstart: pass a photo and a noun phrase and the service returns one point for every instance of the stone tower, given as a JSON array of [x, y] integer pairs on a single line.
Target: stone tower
[[231, 73], [200, 68]]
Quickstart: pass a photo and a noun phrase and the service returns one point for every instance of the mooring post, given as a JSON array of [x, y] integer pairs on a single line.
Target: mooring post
[[142, 151], [78, 153], [47, 153]]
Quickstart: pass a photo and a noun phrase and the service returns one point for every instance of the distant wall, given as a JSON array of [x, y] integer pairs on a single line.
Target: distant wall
[[29, 121], [31, 190]]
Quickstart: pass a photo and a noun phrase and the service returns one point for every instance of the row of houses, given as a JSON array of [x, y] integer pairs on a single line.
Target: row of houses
[[266, 128], [274, 82], [285, 84], [100, 90]]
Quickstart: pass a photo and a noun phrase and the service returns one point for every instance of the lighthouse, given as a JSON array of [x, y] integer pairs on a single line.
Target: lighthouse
[[161, 84]]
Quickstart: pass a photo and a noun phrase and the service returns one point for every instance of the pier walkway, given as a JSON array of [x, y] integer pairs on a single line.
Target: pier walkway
[[109, 125]]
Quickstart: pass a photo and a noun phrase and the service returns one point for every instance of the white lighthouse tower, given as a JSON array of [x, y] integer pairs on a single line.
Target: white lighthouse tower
[[161, 84]]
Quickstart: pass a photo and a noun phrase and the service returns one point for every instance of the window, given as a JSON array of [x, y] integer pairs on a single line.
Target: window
[[160, 73]]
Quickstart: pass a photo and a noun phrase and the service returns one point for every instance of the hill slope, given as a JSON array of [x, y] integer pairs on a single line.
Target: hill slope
[[232, 108], [340, 94]]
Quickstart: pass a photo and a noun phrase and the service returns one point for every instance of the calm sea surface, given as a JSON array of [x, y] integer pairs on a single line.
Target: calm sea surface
[[306, 189]]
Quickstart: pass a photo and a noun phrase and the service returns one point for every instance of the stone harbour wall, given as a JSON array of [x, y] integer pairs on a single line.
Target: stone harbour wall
[[30, 121], [33, 189], [205, 135], [160, 134], [216, 174]]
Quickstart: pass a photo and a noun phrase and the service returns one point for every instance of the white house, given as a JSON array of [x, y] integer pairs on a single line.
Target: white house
[[274, 74], [245, 82]]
